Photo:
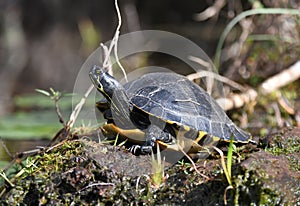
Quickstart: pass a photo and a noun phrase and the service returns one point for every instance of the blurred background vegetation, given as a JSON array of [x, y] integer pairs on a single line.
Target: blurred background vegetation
[[44, 43]]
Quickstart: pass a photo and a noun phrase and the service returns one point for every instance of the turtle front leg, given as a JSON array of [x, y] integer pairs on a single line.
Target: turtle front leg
[[152, 134]]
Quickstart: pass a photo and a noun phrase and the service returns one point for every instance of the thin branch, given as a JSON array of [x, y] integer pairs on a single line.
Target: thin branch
[[211, 11], [30, 152], [190, 159], [116, 37], [229, 187], [218, 77], [283, 102], [114, 44], [78, 107], [237, 100], [276, 109], [117, 58], [200, 61], [273, 83], [96, 184], [2, 174], [6, 149], [138, 181], [106, 60], [60, 117], [208, 65], [119, 17], [283, 78], [107, 64]]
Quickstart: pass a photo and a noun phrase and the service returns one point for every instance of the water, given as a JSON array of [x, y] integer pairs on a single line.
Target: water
[[16, 146]]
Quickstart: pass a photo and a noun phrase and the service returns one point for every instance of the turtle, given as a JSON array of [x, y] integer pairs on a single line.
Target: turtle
[[163, 107]]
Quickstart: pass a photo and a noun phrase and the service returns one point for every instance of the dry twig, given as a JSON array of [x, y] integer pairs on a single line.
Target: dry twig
[[238, 100], [211, 11], [192, 162], [279, 80], [78, 107], [212, 75], [106, 63], [273, 83]]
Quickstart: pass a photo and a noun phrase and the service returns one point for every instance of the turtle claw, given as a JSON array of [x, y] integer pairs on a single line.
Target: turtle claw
[[135, 149], [138, 150], [146, 149]]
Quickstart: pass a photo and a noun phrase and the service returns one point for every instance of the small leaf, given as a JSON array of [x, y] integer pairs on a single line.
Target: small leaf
[[69, 94], [52, 90], [43, 92]]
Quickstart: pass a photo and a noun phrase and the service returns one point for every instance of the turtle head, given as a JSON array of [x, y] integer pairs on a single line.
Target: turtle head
[[114, 92], [103, 82]]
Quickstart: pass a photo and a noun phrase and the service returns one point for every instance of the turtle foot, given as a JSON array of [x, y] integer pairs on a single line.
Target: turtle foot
[[146, 149], [140, 150]]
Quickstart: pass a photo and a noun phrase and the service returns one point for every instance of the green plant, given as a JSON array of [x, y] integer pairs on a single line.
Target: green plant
[[157, 169], [55, 96], [245, 14], [227, 166]]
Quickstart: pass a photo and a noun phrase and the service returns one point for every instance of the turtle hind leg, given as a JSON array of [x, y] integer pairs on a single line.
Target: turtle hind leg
[[207, 142]]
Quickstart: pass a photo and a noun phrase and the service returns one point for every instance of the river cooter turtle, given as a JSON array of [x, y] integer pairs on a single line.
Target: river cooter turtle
[[163, 107]]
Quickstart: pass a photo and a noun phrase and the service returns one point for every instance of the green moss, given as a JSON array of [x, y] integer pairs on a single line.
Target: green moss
[[288, 145], [249, 190], [67, 175]]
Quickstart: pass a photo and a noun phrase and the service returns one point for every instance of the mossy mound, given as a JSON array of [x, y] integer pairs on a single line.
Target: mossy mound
[[81, 172]]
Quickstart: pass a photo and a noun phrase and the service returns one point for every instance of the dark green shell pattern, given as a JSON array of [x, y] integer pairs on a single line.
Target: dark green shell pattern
[[175, 99]]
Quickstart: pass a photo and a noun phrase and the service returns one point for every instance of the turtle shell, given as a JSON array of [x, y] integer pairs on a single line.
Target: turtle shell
[[176, 100]]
